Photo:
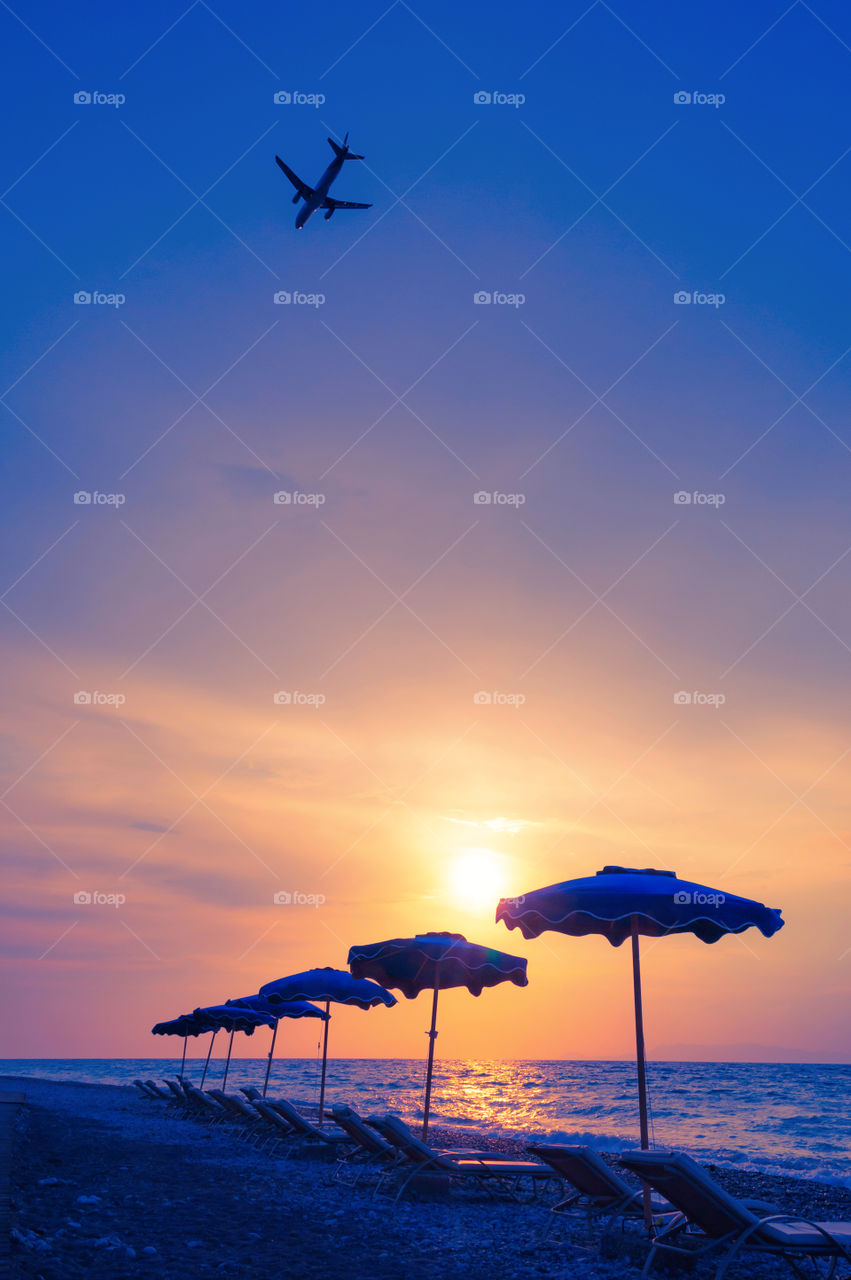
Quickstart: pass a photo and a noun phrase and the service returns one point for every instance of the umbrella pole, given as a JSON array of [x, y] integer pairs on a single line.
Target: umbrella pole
[[183, 1059], [639, 1062], [324, 1064], [209, 1051], [639, 1042], [269, 1061], [227, 1062], [432, 1036]]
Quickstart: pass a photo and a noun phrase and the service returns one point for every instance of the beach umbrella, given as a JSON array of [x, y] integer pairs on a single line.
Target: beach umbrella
[[233, 1020], [327, 985], [186, 1025], [433, 962], [621, 903], [279, 1009]]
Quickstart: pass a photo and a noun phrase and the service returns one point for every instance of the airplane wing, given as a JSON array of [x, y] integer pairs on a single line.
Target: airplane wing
[[301, 187], [330, 203]]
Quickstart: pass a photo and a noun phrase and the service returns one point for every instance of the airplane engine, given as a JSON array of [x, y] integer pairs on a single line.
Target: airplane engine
[[296, 197], [328, 214]]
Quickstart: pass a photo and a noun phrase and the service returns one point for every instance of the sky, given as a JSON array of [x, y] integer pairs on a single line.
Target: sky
[[558, 572]]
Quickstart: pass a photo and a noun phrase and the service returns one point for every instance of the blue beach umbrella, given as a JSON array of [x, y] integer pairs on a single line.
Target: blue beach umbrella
[[188, 1024], [433, 962], [329, 985], [277, 1010], [621, 903], [233, 1019]]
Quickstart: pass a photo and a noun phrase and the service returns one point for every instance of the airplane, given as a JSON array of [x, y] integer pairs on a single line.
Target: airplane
[[317, 197]]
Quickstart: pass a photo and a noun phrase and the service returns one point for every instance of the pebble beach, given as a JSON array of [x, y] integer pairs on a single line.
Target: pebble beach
[[108, 1185]]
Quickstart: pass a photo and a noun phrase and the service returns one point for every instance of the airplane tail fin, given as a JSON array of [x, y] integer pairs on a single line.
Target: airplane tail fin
[[343, 151]]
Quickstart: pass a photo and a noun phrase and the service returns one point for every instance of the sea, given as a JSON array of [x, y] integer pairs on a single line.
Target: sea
[[788, 1118]]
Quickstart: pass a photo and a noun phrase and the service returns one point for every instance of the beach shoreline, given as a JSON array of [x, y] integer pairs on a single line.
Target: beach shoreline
[[108, 1185]]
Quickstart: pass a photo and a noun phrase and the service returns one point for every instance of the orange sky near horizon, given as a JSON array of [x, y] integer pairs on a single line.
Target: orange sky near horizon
[[391, 801]]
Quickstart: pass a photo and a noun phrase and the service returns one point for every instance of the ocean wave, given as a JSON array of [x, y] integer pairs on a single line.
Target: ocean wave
[[774, 1118]]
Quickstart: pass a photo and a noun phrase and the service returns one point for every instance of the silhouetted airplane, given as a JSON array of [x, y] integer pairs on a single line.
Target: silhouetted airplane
[[317, 197]]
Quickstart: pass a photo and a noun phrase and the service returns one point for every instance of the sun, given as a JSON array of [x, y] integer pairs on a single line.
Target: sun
[[477, 877]]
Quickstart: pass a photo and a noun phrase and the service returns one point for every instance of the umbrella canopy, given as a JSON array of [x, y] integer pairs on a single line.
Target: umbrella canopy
[[620, 903], [617, 901], [234, 1018], [326, 984], [434, 962], [276, 1009], [188, 1024]]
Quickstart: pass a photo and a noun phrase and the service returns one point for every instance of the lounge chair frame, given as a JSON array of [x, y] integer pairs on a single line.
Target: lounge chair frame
[[683, 1237]]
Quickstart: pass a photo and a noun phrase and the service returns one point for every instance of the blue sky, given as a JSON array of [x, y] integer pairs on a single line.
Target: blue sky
[[596, 398]]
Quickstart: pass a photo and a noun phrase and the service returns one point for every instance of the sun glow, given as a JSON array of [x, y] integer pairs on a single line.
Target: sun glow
[[478, 878]]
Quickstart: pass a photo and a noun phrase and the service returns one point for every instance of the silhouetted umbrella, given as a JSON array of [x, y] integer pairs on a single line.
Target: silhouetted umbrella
[[188, 1024], [280, 1009], [327, 984], [434, 962], [622, 903], [233, 1020]]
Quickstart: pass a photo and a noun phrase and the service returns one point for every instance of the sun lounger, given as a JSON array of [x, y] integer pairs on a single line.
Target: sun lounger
[[274, 1120], [486, 1169], [202, 1107], [370, 1151], [159, 1092], [243, 1113], [148, 1091], [303, 1129], [597, 1189], [712, 1220], [251, 1093], [176, 1090]]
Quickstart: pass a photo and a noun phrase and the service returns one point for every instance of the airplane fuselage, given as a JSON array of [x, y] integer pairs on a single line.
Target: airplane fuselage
[[320, 191]]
